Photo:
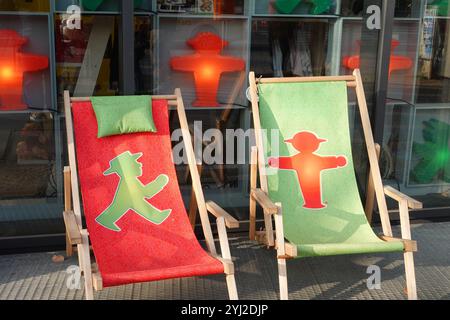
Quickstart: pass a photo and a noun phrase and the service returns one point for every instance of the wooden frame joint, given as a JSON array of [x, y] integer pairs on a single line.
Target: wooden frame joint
[[72, 229], [399, 196], [218, 212], [264, 201], [409, 245], [228, 265], [290, 249], [97, 281]]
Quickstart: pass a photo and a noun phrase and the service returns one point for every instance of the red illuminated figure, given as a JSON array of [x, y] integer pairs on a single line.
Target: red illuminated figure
[[396, 62], [207, 64], [309, 167], [13, 64]]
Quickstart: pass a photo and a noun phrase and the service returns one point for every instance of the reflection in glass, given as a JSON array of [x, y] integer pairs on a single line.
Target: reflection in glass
[[203, 7], [87, 58], [416, 151], [25, 5], [290, 48]]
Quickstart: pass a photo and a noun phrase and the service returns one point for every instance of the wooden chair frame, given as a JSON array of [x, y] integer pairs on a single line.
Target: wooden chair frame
[[286, 250], [77, 235]]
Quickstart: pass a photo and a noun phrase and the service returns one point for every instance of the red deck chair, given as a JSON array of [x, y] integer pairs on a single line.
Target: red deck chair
[[142, 251]]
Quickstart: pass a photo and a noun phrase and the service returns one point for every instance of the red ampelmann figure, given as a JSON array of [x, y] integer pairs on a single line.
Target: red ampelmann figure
[[309, 167], [396, 62], [207, 64], [13, 64]]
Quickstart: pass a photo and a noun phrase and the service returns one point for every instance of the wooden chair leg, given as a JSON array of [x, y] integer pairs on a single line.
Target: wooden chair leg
[[69, 247], [410, 276], [282, 279], [232, 289], [86, 266], [80, 257], [252, 222], [281, 252], [269, 230], [253, 182]]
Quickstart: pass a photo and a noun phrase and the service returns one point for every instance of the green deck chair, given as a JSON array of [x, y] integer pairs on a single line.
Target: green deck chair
[[307, 180]]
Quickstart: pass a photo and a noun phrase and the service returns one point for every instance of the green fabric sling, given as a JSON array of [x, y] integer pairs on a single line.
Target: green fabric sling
[[320, 109]]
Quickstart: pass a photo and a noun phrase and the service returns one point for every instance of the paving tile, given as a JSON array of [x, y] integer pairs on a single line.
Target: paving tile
[[36, 277]]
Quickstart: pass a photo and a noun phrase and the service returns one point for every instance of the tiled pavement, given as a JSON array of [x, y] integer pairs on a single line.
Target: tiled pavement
[[35, 276]]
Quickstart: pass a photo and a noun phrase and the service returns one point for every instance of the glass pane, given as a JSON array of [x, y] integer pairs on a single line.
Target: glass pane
[[207, 59], [320, 7], [87, 58], [206, 81], [25, 81], [439, 8], [101, 5], [25, 5], [143, 53], [215, 177], [403, 8], [433, 74], [404, 52], [351, 8], [283, 47], [408, 8], [203, 7], [415, 157], [28, 172]]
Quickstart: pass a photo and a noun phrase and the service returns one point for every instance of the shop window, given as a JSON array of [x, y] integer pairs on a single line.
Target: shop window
[[87, 58], [282, 7], [415, 153], [25, 5], [290, 48], [101, 5], [202, 7]]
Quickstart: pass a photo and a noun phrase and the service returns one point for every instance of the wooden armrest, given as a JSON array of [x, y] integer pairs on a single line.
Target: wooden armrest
[[410, 245], [264, 201], [399, 196], [218, 212], [73, 232]]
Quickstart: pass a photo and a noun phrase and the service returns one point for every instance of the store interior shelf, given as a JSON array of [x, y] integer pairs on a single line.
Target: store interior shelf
[[24, 13], [197, 16]]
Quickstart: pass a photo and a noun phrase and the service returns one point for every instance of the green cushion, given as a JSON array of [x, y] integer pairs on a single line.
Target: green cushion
[[123, 114], [322, 108]]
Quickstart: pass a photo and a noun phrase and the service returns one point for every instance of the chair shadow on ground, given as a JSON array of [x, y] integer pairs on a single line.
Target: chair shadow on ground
[[335, 277]]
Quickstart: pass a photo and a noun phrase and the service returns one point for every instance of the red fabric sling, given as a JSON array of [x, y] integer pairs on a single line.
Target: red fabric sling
[[142, 251]]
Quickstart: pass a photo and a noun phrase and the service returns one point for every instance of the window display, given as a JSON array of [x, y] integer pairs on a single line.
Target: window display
[[397, 63], [288, 6], [286, 48], [101, 5], [432, 154], [207, 65], [25, 5], [86, 58], [295, 7], [206, 88], [415, 148], [206, 48], [202, 7], [25, 65], [13, 65], [26, 151]]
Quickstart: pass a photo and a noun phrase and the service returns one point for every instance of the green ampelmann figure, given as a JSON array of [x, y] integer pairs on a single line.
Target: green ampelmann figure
[[131, 194]]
